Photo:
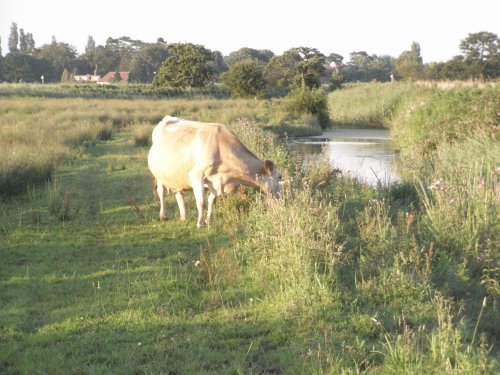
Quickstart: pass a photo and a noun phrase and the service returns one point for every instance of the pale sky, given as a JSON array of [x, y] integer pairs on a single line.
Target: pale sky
[[381, 27]]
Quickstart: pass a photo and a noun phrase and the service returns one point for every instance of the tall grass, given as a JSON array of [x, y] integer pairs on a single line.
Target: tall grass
[[38, 134], [366, 105]]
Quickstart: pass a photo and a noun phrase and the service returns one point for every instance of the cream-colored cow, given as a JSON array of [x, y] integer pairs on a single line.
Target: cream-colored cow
[[190, 155]]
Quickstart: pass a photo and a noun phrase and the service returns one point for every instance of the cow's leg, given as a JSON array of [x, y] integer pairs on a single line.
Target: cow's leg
[[182, 206], [160, 189], [198, 190], [211, 199]]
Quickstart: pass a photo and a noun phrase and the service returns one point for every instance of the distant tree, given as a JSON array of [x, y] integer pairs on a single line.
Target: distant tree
[[409, 64], [188, 66], [365, 68], [219, 65], [65, 76], [482, 54], [106, 59], [280, 71], [1, 61], [336, 80], [126, 49], [13, 38], [454, 69], [296, 66], [30, 44], [81, 65], [62, 55], [117, 77], [23, 46], [147, 62], [262, 56], [25, 68], [334, 58], [310, 67], [90, 47], [245, 79]]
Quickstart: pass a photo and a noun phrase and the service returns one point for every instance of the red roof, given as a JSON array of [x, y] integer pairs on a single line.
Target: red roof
[[110, 75]]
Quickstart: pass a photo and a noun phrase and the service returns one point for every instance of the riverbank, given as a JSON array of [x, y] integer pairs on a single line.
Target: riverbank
[[336, 277]]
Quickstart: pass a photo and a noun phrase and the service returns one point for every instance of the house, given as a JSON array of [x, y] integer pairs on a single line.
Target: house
[[108, 78], [86, 78]]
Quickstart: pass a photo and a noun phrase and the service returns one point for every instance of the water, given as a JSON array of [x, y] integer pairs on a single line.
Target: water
[[366, 154]]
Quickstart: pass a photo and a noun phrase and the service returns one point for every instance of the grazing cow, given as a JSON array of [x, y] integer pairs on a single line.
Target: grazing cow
[[190, 155]]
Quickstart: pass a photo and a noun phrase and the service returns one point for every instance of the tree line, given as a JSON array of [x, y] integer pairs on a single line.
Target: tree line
[[245, 72]]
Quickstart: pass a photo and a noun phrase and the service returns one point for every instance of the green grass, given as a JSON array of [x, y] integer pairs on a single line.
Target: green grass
[[366, 105], [38, 134], [335, 278]]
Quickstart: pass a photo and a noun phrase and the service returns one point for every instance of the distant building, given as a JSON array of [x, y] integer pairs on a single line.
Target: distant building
[[108, 77], [87, 78]]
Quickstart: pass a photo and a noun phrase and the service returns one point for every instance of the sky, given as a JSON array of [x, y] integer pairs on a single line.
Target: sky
[[380, 27]]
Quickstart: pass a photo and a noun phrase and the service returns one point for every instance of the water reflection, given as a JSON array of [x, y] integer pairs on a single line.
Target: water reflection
[[364, 153]]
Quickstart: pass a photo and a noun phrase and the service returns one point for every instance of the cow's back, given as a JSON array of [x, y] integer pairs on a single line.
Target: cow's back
[[182, 146]]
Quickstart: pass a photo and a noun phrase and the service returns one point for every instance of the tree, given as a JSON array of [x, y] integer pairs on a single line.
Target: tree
[[188, 66], [336, 81], [90, 47], [482, 54], [147, 62], [296, 66], [117, 78], [62, 55], [219, 65], [334, 58], [25, 68], [65, 76], [262, 56], [245, 79], [106, 59], [30, 44], [13, 38], [409, 64], [23, 46]]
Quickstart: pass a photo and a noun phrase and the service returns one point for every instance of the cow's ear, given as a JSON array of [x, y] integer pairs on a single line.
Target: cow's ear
[[269, 166]]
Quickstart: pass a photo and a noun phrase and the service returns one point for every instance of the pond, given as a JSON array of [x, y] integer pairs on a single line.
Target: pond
[[366, 154]]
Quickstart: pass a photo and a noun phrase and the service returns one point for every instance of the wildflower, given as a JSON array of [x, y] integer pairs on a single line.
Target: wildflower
[[197, 264]]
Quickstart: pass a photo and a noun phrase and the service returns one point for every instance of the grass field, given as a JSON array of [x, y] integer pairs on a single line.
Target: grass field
[[335, 278]]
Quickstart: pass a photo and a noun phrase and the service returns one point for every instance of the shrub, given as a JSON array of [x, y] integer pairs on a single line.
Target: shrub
[[309, 100], [244, 79]]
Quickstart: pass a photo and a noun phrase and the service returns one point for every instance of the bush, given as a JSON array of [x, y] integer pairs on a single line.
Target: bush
[[244, 79], [309, 100]]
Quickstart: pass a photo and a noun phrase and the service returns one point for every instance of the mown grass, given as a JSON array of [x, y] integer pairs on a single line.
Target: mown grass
[[336, 277]]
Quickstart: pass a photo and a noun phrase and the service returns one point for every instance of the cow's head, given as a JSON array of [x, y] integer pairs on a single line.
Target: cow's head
[[272, 178]]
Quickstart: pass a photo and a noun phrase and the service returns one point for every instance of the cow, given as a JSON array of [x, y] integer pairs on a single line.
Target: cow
[[189, 155]]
